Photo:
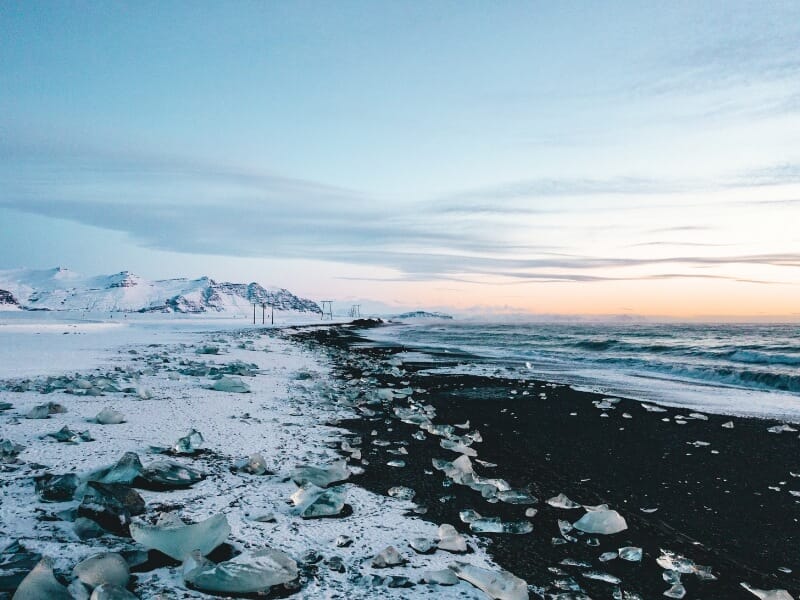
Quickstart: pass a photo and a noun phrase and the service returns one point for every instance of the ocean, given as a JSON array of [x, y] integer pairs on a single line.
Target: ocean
[[742, 369]]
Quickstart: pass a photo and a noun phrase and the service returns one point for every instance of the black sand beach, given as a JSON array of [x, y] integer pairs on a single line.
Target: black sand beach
[[714, 499]]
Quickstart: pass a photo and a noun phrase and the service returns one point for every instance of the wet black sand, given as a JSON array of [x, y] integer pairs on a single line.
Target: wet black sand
[[716, 509]]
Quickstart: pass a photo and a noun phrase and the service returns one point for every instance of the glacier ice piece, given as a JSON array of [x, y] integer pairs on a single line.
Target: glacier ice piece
[[530, 512], [767, 594], [124, 471], [109, 416], [167, 474], [728, 425], [601, 576], [105, 567], [109, 591], [254, 464], [9, 451], [399, 464], [111, 505], [676, 591], [630, 553], [231, 384], [459, 447], [604, 522], [782, 428], [188, 444], [42, 411], [607, 556], [321, 476], [422, 545], [248, 573], [516, 497], [496, 525], [41, 583], [313, 501], [388, 557], [450, 540], [56, 488], [499, 585], [561, 501], [65, 434], [87, 529], [440, 577], [179, 541], [401, 493]]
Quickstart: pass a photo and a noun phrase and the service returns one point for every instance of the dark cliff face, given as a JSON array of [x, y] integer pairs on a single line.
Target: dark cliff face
[[7, 297]]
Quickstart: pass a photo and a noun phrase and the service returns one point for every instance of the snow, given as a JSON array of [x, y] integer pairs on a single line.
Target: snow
[[286, 425]]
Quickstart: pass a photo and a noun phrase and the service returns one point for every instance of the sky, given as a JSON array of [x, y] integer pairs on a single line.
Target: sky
[[487, 157]]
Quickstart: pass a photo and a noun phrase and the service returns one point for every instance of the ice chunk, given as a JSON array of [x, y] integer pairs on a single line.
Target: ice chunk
[[9, 451], [398, 464], [125, 470], [111, 505], [65, 434], [782, 428], [630, 553], [607, 556], [530, 512], [676, 591], [401, 493], [388, 557], [601, 576], [42, 411], [109, 591], [40, 583], [601, 521], [314, 502], [231, 384], [178, 541], [105, 567], [188, 444], [56, 488], [728, 424], [87, 529], [248, 573], [652, 408], [495, 525], [500, 585], [459, 447], [516, 497], [767, 594], [441, 577], [321, 476], [561, 501], [422, 545], [109, 416], [450, 540], [255, 465], [167, 474]]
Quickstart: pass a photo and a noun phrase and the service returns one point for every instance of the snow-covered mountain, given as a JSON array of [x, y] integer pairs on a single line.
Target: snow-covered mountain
[[62, 289]]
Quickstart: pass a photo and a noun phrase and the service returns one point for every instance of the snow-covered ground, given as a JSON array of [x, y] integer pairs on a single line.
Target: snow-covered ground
[[283, 418]]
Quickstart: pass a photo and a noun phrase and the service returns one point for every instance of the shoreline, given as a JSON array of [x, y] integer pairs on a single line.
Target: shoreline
[[688, 469]]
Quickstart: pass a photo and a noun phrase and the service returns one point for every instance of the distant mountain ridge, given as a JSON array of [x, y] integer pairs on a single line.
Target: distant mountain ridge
[[62, 289], [423, 314]]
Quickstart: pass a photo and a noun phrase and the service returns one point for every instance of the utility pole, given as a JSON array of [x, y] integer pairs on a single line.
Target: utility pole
[[254, 313], [327, 309]]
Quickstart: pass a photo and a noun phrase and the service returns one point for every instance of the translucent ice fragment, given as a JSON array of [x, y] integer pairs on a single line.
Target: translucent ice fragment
[[601, 521], [396, 463], [312, 501], [178, 540], [422, 545], [601, 576], [561, 501], [321, 476], [401, 492], [607, 556], [441, 577], [459, 447], [495, 525], [652, 408], [167, 474], [728, 424], [189, 443], [767, 594], [388, 557], [40, 583], [499, 585], [630, 553], [231, 384], [516, 497], [248, 573], [56, 488], [109, 416], [125, 470], [109, 591], [450, 540], [676, 591], [782, 428], [105, 567]]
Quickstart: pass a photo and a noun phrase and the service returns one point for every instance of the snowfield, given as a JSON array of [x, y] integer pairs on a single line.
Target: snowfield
[[288, 417]]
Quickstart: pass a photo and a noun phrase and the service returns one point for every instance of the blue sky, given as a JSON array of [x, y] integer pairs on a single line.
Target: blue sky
[[504, 156]]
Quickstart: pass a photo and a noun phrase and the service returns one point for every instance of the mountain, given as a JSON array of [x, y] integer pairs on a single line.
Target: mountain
[[62, 289]]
